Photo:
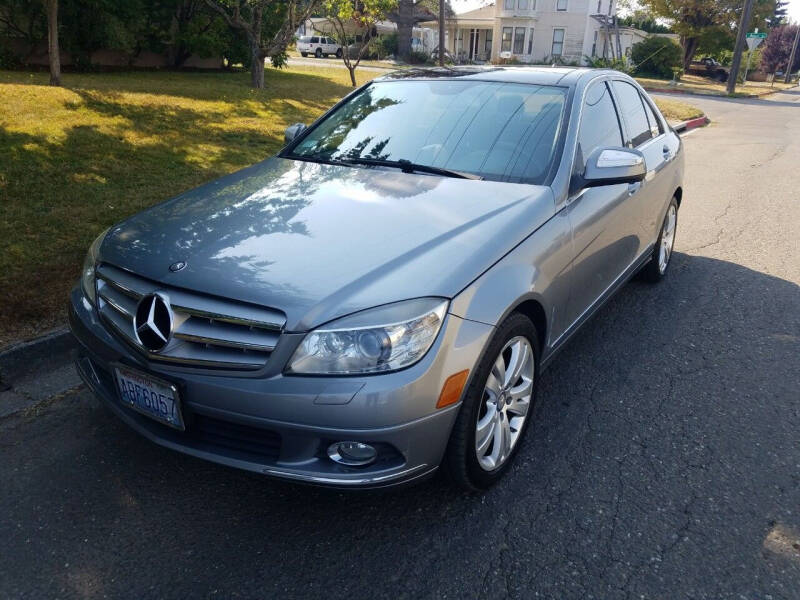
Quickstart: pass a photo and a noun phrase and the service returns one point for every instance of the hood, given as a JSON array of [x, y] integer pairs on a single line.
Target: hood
[[321, 241]]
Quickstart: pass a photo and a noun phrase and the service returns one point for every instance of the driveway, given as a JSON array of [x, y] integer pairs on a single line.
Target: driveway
[[663, 462]]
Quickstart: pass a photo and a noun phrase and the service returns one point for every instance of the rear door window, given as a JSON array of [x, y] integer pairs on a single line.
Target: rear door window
[[315, 40], [633, 113]]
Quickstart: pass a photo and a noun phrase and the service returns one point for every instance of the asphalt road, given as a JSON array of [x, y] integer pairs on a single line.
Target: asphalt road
[[664, 461]]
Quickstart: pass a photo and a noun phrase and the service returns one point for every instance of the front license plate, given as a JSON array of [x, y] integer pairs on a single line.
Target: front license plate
[[150, 396]]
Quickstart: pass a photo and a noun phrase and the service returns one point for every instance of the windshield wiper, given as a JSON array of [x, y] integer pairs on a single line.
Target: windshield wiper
[[409, 167]]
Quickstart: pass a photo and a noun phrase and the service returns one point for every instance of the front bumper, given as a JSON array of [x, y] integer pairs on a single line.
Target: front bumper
[[281, 426]]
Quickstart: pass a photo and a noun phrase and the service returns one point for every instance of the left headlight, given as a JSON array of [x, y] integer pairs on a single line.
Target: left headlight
[[381, 339], [87, 275]]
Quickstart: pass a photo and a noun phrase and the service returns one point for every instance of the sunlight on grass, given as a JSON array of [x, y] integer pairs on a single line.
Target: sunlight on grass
[[77, 159]]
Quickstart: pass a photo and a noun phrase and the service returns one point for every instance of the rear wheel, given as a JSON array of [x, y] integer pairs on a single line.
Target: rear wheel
[[496, 408], [339, 53], [655, 270], [304, 54]]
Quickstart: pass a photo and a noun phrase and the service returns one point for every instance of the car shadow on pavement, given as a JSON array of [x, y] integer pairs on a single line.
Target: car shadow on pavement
[[663, 446]]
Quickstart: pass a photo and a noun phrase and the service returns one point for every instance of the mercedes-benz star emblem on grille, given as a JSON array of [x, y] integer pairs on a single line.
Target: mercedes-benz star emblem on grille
[[177, 266], [152, 323]]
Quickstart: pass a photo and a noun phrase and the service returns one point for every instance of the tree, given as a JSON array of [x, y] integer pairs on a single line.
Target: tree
[[267, 25], [53, 49], [778, 17], [656, 56], [359, 15], [778, 48], [693, 19], [410, 12]]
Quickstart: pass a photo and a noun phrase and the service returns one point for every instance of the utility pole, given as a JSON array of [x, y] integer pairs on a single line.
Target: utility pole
[[744, 23], [441, 33], [791, 56]]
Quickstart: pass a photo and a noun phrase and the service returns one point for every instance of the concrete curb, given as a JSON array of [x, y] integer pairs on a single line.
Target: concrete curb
[[25, 358], [679, 92], [685, 126]]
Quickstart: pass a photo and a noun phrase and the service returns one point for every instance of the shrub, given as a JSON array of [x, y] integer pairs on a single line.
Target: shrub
[[618, 64], [656, 56], [415, 57], [385, 45]]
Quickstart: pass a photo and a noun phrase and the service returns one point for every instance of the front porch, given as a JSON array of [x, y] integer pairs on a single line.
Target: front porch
[[469, 44]]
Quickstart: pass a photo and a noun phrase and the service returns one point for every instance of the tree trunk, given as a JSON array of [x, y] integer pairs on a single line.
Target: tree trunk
[[52, 39], [257, 68], [689, 48], [405, 26]]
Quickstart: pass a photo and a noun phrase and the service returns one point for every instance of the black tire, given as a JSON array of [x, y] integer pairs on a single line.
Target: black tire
[[460, 461], [339, 53], [652, 271], [318, 53]]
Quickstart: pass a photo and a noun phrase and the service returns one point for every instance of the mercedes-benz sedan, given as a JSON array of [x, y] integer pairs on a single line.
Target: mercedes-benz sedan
[[380, 298]]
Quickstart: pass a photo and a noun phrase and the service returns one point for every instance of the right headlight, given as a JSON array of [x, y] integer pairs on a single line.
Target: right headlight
[[381, 339], [87, 275]]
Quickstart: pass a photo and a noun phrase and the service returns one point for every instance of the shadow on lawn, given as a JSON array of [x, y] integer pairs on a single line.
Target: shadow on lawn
[[59, 193]]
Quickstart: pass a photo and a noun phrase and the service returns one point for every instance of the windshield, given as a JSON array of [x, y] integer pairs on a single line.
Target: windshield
[[498, 131]]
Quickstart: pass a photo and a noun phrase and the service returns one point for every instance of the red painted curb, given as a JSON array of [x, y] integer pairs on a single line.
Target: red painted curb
[[695, 123]]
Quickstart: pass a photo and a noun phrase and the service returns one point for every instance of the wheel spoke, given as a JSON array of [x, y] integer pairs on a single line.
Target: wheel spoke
[[519, 355], [505, 427], [485, 432]]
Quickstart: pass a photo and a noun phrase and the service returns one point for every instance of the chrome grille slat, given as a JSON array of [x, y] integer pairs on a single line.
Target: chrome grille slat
[[223, 334], [118, 300], [209, 331]]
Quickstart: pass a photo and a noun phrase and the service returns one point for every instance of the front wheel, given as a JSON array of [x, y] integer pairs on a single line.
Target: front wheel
[[496, 408], [318, 53], [655, 270]]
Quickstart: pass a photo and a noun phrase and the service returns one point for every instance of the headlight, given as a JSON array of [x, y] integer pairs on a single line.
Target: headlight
[[381, 339], [87, 275]]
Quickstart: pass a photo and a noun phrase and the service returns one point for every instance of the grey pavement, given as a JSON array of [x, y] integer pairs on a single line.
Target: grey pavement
[[663, 462]]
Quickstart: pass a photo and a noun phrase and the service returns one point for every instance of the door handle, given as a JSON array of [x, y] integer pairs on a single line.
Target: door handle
[[667, 152]]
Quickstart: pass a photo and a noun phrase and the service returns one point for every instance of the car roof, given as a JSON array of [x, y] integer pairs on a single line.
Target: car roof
[[539, 75]]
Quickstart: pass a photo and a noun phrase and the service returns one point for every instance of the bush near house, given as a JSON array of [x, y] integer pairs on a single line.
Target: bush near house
[[656, 56]]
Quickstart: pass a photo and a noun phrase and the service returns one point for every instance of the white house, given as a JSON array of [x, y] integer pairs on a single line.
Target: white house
[[538, 31]]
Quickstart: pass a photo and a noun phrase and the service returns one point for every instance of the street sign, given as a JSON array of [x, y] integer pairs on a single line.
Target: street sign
[[753, 42], [755, 34]]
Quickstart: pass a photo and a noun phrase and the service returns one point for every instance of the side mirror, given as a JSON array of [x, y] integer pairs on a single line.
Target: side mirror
[[609, 166], [292, 131]]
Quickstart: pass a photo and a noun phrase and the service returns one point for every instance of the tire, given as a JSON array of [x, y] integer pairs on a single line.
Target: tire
[[656, 268], [318, 53], [339, 53], [465, 465], [304, 54]]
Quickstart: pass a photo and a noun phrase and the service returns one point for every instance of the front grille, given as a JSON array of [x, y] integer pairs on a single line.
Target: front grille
[[207, 331]]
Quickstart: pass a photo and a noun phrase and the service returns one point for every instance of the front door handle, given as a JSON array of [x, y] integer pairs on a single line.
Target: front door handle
[[667, 153]]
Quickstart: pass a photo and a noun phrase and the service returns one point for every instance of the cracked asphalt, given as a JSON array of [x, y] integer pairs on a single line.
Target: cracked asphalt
[[663, 462]]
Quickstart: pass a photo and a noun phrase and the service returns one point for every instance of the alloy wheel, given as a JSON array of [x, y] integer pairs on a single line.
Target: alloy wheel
[[505, 403], [667, 238]]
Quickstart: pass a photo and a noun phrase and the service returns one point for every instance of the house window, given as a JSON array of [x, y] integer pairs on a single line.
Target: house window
[[523, 4], [558, 42], [519, 40], [505, 44], [530, 41], [509, 4], [487, 44], [594, 43], [561, 4]]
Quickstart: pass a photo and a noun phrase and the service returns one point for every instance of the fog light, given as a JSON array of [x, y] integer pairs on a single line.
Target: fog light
[[354, 454]]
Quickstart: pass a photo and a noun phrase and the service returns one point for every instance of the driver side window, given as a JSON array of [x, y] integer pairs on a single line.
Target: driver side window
[[599, 123]]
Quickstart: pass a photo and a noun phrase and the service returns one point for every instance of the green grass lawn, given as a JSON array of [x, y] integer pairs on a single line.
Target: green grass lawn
[[704, 85], [77, 159]]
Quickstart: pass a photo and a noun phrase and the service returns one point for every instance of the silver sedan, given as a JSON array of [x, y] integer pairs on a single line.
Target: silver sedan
[[379, 299]]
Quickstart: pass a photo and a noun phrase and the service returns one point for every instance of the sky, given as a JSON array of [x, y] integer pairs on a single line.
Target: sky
[[464, 5]]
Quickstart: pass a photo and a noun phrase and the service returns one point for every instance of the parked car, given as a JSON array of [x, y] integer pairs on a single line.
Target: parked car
[[319, 46], [381, 297], [710, 67]]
